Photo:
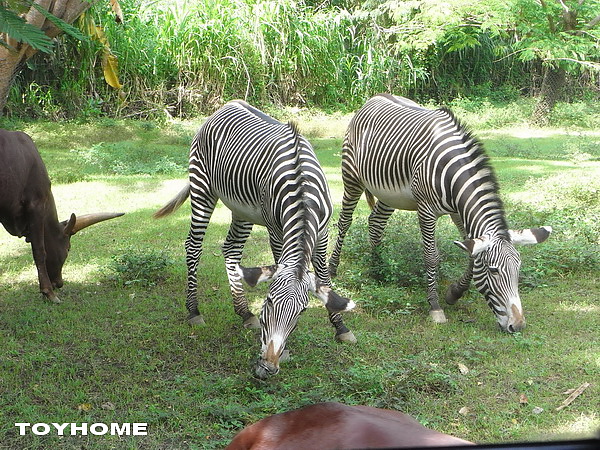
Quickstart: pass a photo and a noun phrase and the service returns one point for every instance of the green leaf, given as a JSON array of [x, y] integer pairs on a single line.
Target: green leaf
[[61, 24], [21, 31]]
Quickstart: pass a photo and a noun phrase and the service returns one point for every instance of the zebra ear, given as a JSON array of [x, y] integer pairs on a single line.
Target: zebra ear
[[530, 236], [254, 275], [474, 246], [331, 300]]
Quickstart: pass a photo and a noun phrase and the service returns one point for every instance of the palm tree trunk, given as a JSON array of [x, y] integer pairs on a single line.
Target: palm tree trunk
[[552, 85], [11, 61], [10, 64]]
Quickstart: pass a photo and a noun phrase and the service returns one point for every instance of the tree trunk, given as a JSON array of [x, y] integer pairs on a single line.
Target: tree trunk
[[552, 85], [9, 64], [11, 61]]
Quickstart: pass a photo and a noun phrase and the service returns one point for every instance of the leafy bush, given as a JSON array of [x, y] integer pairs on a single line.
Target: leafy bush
[[185, 58], [576, 115], [67, 176], [484, 112], [145, 267], [131, 158]]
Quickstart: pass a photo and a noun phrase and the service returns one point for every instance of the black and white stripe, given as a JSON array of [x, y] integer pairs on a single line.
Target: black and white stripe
[[413, 158], [266, 173]]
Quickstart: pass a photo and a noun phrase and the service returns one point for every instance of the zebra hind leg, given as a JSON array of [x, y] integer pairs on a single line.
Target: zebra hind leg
[[203, 205], [232, 251], [193, 249], [377, 221]]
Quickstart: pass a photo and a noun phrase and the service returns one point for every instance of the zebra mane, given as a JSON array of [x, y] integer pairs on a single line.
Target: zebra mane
[[483, 164], [304, 204]]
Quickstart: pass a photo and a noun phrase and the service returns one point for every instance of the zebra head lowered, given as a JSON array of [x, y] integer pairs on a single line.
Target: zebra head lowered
[[496, 265], [286, 299]]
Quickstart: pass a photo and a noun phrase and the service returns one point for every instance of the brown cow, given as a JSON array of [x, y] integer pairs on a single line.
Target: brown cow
[[336, 426], [27, 209]]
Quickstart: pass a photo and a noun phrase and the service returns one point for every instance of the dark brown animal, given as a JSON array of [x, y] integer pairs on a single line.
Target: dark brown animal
[[27, 209], [336, 426]]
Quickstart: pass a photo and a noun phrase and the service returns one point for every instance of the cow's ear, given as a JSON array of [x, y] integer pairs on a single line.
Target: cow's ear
[[69, 225]]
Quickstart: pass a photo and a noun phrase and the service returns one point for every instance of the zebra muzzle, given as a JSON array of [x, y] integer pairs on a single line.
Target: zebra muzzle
[[268, 364], [517, 322]]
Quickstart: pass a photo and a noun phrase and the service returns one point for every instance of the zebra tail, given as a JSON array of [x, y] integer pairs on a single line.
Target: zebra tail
[[174, 204], [370, 199]]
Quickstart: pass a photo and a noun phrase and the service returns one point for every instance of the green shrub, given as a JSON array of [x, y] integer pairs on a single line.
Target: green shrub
[[67, 176], [147, 267], [398, 260], [573, 211], [576, 115], [132, 158]]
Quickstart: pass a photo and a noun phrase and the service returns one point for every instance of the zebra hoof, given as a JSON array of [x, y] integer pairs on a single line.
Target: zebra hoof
[[438, 316], [453, 294], [196, 320], [252, 322], [346, 337], [285, 355]]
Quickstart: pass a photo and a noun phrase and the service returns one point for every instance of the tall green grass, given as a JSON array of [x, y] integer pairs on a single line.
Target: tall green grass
[[183, 57]]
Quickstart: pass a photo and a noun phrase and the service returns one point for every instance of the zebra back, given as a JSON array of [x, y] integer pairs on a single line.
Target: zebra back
[[266, 172], [398, 146]]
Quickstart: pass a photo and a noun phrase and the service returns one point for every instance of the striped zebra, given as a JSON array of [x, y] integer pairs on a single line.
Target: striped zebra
[[413, 158], [266, 173]]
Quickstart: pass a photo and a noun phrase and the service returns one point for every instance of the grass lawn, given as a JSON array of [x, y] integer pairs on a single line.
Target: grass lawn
[[118, 348]]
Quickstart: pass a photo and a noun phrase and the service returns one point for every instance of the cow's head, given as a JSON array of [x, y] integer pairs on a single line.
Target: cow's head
[[58, 242]]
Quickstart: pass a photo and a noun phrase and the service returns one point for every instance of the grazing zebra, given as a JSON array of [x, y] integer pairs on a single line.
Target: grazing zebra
[[266, 174], [413, 158]]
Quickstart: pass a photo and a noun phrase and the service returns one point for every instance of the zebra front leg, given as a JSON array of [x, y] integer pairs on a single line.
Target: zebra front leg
[[321, 287], [432, 260], [203, 205], [457, 289], [342, 332], [232, 251]]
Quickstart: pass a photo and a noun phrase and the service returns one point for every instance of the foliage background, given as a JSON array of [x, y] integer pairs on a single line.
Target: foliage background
[[180, 58]]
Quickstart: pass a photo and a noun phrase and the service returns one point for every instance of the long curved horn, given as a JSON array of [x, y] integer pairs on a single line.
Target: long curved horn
[[90, 219]]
